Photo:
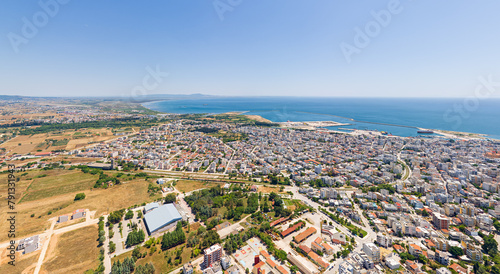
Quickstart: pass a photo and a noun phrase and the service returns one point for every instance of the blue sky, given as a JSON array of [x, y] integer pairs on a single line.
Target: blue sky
[[255, 47]]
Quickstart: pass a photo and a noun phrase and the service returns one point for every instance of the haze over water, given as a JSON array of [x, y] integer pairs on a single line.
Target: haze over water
[[407, 112]]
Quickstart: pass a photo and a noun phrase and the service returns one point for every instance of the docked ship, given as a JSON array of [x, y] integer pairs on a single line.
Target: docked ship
[[425, 131]]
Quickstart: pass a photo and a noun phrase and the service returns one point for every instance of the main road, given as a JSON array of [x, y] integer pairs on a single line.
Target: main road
[[369, 238]]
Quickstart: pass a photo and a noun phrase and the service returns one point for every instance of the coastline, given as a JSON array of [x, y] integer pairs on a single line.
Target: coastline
[[257, 118], [322, 125]]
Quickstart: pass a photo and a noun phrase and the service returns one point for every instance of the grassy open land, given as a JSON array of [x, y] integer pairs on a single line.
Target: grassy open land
[[190, 185], [293, 204], [269, 189], [56, 140], [195, 226], [73, 252], [47, 198], [24, 144], [8, 117], [236, 117], [65, 182], [124, 107], [159, 258], [67, 159], [24, 263]]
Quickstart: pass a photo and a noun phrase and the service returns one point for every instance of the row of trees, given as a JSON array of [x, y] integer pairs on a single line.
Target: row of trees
[[346, 223], [128, 266], [235, 241], [278, 253], [279, 180], [116, 123], [174, 238], [116, 216], [104, 179], [136, 236], [102, 233]]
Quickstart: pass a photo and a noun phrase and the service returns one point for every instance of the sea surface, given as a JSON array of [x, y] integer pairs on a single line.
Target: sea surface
[[397, 116]]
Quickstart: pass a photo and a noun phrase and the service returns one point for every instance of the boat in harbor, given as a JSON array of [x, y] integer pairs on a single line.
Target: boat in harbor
[[425, 131]]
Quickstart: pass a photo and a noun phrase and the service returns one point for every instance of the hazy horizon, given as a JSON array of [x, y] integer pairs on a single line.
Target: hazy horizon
[[367, 49], [256, 96]]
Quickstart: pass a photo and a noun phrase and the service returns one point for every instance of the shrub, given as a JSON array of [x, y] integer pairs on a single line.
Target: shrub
[[79, 196]]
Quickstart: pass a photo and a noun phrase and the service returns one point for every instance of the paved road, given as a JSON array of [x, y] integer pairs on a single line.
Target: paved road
[[223, 233], [406, 169], [107, 255], [191, 174]]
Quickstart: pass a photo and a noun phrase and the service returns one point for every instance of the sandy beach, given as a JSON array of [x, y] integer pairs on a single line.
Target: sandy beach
[[258, 118], [459, 135], [312, 125], [253, 117]]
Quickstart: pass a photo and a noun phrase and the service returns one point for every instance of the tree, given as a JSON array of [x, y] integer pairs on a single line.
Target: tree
[[201, 230], [294, 269], [495, 269], [112, 247], [129, 215], [490, 245], [174, 238], [496, 224], [135, 237], [456, 251], [101, 240], [422, 259], [79, 196], [146, 269], [281, 255], [136, 253], [170, 198], [116, 216], [479, 268], [210, 238]]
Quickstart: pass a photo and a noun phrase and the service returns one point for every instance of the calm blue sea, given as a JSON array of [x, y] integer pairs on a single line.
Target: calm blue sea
[[398, 116]]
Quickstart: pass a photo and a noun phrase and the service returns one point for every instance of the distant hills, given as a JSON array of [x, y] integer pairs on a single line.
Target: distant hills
[[136, 99]]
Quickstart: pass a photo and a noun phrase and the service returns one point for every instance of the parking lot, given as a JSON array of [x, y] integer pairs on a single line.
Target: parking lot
[[232, 229]]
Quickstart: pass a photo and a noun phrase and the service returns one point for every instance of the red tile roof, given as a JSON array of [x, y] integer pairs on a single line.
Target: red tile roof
[[290, 230], [302, 236]]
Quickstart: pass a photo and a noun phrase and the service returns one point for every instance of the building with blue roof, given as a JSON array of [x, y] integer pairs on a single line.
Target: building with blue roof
[[161, 218], [150, 207]]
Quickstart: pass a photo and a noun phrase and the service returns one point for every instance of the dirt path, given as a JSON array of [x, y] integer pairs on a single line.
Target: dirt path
[[45, 247]]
